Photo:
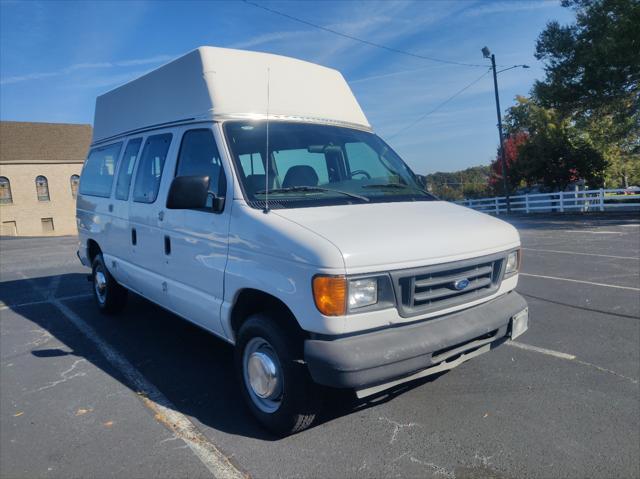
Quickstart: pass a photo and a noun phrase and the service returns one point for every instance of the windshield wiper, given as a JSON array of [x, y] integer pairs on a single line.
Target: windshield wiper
[[296, 189], [387, 185], [397, 186]]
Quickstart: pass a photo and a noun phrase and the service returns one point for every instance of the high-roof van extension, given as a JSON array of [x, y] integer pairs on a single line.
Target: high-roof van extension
[[247, 193]]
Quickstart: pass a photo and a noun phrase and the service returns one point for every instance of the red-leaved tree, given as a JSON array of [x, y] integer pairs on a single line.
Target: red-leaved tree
[[512, 144]]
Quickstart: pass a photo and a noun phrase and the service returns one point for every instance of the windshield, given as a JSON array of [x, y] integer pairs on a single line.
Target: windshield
[[317, 165]]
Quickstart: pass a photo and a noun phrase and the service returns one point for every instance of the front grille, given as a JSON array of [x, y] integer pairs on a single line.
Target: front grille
[[428, 289]]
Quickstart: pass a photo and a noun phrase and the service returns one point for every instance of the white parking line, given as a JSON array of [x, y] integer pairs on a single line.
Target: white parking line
[[596, 232], [42, 301], [568, 357], [630, 288], [582, 254], [548, 352], [165, 412]]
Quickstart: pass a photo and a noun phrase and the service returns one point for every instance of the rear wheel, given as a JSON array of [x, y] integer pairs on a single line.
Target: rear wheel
[[109, 295], [275, 382]]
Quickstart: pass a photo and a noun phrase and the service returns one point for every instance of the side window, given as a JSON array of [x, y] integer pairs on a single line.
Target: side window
[[199, 156], [127, 165], [74, 180], [42, 188], [97, 174], [363, 158], [150, 168], [5, 191], [285, 159]]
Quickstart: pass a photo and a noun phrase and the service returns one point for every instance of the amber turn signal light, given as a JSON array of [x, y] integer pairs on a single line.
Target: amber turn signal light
[[330, 294]]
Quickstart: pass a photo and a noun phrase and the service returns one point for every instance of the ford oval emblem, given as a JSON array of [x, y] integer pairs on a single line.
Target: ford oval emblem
[[461, 284]]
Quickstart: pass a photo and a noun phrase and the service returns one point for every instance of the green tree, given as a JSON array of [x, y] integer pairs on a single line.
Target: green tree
[[555, 152], [593, 78], [457, 185]]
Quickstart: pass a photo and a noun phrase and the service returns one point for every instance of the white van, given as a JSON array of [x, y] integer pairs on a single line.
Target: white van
[[247, 193]]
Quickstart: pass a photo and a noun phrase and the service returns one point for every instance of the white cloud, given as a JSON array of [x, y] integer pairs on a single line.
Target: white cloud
[[270, 37], [157, 59], [488, 8], [145, 61]]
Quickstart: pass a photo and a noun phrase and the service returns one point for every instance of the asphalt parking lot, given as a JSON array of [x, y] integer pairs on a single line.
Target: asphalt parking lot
[[77, 389]]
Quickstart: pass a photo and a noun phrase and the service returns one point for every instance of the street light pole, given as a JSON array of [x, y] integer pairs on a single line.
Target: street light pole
[[505, 183]]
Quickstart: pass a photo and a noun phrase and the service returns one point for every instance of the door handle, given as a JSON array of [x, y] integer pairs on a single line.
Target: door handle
[[111, 208], [167, 245], [160, 215], [134, 236]]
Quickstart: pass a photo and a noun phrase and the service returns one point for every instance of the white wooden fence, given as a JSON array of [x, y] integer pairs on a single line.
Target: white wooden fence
[[559, 202]]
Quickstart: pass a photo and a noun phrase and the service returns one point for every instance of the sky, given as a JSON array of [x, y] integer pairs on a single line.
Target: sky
[[56, 57]]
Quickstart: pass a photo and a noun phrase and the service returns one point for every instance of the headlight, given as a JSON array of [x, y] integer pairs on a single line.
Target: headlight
[[513, 263], [363, 292], [340, 295]]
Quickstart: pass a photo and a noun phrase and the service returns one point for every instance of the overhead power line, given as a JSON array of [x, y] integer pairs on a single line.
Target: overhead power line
[[440, 105], [361, 40]]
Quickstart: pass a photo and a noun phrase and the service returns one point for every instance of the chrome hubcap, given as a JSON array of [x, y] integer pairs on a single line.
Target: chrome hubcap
[[262, 375], [100, 285]]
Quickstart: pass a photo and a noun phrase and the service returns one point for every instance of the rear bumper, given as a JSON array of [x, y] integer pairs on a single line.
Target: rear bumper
[[370, 359]]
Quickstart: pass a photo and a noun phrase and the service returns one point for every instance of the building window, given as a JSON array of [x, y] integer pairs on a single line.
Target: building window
[[42, 188], [75, 181], [8, 228], [5, 191], [47, 225]]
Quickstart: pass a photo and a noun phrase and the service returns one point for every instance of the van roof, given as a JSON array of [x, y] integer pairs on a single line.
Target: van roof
[[212, 83]]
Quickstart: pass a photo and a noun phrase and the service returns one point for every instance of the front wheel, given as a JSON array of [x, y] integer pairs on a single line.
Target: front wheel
[[275, 382], [109, 295]]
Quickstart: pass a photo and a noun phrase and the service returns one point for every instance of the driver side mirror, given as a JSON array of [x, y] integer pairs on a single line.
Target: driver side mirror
[[192, 193]]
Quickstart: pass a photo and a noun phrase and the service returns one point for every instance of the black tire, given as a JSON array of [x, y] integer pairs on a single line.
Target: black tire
[[111, 298], [299, 397]]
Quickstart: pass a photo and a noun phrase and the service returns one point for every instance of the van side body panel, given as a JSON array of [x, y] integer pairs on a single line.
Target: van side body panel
[[146, 267], [271, 254]]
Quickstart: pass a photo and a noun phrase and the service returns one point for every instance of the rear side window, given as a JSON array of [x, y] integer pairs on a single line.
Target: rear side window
[[199, 156], [97, 174], [127, 164], [150, 167]]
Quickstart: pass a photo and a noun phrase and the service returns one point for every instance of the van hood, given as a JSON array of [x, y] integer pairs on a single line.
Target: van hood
[[386, 236]]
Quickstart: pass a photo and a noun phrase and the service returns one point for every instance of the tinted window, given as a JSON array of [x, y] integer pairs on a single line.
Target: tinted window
[[98, 171], [199, 156], [127, 164], [150, 168]]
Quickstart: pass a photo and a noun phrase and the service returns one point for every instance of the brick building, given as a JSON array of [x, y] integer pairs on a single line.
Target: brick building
[[40, 165]]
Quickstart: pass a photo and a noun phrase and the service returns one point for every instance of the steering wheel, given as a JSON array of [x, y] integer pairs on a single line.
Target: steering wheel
[[361, 172]]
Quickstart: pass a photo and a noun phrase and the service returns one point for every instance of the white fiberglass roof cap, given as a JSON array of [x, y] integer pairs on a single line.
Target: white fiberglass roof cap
[[217, 83]]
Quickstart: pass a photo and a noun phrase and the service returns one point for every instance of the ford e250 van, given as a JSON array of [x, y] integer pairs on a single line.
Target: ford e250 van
[[247, 193]]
